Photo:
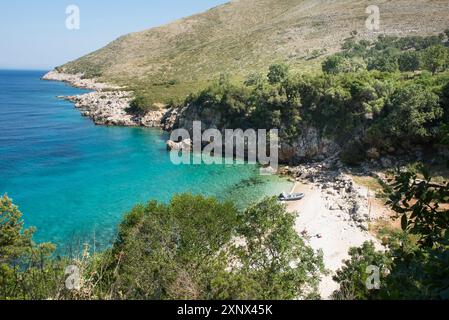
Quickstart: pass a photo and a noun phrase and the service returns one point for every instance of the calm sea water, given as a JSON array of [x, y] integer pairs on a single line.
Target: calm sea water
[[74, 180]]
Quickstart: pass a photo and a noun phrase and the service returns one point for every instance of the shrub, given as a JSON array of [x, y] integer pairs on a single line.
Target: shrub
[[140, 105], [386, 61], [27, 271], [188, 250], [409, 61], [277, 73], [436, 58], [412, 113]]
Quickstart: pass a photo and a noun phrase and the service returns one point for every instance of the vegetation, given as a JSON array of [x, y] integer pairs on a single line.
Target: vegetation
[[409, 61], [26, 270], [198, 248], [362, 100], [239, 38], [141, 105], [435, 58], [192, 248], [416, 265]]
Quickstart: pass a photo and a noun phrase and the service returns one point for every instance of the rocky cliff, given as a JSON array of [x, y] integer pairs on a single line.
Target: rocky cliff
[[309, 145]]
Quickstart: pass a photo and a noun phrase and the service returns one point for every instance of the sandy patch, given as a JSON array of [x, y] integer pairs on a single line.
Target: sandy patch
[[331, 231]]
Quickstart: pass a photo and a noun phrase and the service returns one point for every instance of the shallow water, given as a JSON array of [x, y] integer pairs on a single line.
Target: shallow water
[[74, 180]]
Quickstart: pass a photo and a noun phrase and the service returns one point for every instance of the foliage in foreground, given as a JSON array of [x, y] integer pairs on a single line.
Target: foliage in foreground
[[416, 264], [26, 271], [192, 248], [198, 248]]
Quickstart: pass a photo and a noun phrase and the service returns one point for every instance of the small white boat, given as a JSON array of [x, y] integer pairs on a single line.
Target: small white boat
[[291, 197]]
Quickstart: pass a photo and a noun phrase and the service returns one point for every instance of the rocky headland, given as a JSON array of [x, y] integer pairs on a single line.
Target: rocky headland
[[107, 104]]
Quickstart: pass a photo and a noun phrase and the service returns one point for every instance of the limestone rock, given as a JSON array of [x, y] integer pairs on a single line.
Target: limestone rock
[[185, 145]]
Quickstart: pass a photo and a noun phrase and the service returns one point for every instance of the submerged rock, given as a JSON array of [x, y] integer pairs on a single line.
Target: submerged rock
[[185, 145]]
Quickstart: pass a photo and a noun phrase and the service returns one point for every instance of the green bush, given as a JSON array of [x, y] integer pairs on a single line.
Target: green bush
[[27, 271], [353, 276], [381, 108], [416, 264], [409, 61], [339, 64], [188, 249], [278, 73], [436, 58], [412, 114], [386, 61], [140, 105]]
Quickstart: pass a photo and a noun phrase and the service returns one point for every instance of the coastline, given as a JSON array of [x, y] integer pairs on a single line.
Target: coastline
[[107, 104], [333, 217]]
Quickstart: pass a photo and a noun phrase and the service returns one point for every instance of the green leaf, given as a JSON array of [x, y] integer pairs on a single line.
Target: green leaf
[[404, 222]]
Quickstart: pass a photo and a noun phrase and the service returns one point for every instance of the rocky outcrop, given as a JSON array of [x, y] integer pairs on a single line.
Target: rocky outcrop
[[152, 119], [107, 105], [111, 108], [169, 120], [105, 108], [185, 145], [310, 145], [78, 80], [338, 190]]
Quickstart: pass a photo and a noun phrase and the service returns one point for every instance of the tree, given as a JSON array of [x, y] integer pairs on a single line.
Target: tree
[[353, 276], [26, 270], [275, 258], [444, 101], [386, 61], [418, 205], [339, 64], [332, 64], [412, 113], [278, 73], [199, 248], [139, 105], [409, 61], [435, 58], [254, 79], [416, 264], [169, 251], [13, 239]]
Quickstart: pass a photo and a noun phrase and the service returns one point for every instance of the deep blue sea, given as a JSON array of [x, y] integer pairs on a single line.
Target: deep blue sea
[[74, 181]]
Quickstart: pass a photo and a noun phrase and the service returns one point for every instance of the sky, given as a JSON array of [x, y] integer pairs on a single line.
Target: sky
[[34, 35]]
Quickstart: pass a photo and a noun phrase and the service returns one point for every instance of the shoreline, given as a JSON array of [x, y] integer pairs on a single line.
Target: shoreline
[[333, 217], [107, 105]]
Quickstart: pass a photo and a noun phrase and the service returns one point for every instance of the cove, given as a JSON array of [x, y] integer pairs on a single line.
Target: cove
[[74, 181]]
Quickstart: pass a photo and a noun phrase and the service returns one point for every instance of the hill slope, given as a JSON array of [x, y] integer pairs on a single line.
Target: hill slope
[[245, 36]]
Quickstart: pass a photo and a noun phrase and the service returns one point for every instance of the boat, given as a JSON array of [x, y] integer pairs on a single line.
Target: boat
[[291, 196]]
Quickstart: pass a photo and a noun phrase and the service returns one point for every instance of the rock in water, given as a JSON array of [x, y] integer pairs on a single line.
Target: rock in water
[[185, 145]]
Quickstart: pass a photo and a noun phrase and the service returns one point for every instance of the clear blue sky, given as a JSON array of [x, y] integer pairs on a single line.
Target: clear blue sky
[[33, 34]]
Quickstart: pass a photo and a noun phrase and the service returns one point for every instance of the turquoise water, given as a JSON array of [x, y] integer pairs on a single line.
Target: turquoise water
[[74, 180]]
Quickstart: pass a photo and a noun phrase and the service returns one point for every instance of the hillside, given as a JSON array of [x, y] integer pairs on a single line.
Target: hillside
[[244, 36]]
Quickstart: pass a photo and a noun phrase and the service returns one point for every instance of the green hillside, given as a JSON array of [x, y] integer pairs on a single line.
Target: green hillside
[[246, 36]]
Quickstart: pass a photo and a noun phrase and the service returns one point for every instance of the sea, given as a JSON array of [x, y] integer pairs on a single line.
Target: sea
[[74, 181]]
